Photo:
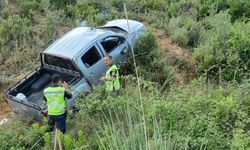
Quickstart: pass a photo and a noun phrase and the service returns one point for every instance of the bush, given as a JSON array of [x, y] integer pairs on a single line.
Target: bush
[[199, 115], [60, 4], [180, 36], [184, 31], [145, 49], [153, 5], [157, 19], [216, 54], [29, 7], [195, 116], [5, 12], [150, 66], [239, 44], [17, 135], [205, 119], [239, 9], [240, 140], [14, 32], [211, 49]]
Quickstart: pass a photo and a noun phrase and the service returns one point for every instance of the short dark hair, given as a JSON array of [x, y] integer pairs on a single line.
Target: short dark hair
[[109, 56], [56, 78]]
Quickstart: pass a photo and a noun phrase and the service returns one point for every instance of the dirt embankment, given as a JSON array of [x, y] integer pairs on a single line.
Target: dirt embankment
[[175, 56], [4, 110]]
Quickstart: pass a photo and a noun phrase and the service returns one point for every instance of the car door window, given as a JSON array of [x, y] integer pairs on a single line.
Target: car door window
[[110, 43], [91, 57]]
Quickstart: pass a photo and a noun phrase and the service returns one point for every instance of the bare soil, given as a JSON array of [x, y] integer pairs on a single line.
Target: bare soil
[[4, 110], [175, 56]]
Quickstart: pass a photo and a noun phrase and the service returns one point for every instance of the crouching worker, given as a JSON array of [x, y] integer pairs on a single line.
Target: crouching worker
[[111, 77], [55, 98]]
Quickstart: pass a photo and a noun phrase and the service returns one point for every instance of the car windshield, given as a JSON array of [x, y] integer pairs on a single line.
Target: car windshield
[[59, 62]]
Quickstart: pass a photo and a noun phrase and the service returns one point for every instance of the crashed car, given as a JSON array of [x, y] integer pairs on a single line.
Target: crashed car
[[78, 58]]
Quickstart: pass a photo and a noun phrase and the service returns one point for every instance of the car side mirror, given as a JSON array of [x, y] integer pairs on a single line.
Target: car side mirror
[[124, 50], [122, 39]]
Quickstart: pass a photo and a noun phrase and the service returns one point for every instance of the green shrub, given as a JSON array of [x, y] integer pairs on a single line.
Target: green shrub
[[5, 12], [240, 140], [22, 137], [211, 50], [239, 8], [48, 141], [223, 48], [153, 5], [29, 7], [195, 116], [157, 19], [206, 117], [239, 43], [184, 31], [148, 62], [61, 4], [145, 49], [180, 36], [14, 32], [199, 115]]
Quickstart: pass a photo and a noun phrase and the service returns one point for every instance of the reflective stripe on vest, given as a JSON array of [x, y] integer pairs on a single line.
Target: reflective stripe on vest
[[112, 85], [55, 100]]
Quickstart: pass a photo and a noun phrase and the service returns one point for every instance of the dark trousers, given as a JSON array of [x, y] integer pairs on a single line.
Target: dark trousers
[[59, 121]]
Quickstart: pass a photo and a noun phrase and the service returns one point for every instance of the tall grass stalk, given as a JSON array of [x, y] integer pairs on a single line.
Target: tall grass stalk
[[138, 80], [125, 131]]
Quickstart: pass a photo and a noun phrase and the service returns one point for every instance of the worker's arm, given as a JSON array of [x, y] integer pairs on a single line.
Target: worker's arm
[[102, 78], [44, 98], [65, 85], [67, 95], [113, 74]]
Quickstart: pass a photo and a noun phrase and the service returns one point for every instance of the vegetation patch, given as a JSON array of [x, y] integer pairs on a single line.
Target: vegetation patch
[[209, 112]]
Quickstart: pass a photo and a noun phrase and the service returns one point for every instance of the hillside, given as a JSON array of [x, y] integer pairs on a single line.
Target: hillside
[[193, 63]]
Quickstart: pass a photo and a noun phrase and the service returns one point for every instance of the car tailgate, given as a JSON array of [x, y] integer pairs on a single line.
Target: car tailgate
[[24, 108]]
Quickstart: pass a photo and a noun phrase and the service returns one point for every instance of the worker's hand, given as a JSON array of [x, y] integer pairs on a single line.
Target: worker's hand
[[109, 79], [102, 78], [65, 85]]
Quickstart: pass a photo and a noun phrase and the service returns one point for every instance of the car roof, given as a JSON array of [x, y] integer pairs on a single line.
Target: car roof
[[74, 41], [123, 24]]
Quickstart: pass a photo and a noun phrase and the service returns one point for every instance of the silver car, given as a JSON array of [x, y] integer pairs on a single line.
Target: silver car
[[78, 58]]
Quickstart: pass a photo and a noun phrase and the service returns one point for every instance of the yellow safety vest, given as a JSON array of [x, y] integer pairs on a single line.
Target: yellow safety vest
[[55, 100], [112, 85]]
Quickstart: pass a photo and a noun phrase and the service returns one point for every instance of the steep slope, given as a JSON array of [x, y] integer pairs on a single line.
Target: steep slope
[[176, 56]]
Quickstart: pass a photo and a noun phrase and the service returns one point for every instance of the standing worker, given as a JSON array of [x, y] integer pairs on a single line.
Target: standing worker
[[55, 98], [111, 77]]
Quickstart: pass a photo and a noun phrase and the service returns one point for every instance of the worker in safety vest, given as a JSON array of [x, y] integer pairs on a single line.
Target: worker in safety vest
[[55, 98], [111, 77]]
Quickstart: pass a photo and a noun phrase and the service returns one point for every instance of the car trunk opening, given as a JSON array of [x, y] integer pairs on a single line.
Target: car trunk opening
[[31, 88]]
